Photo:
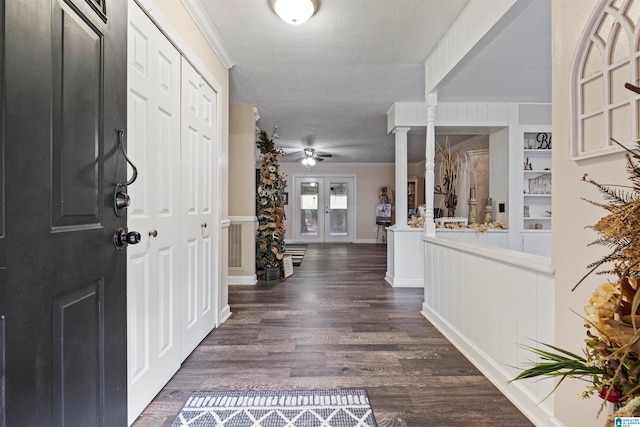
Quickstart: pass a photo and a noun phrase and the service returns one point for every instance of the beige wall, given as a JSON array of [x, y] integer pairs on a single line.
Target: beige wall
[[571, 214], [369, 177], [242, 143], [416, 169], [242, 187]]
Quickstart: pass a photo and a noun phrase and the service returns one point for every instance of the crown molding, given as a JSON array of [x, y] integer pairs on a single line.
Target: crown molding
[[201, 18]]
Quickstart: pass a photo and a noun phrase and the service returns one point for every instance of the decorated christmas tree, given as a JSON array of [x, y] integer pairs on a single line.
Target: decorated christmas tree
[[270, 212]]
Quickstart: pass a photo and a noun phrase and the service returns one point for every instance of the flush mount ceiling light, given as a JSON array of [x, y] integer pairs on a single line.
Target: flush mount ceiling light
[[295, 12]]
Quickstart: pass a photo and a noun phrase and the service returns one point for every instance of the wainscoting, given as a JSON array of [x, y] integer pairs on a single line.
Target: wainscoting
[[487, 301]]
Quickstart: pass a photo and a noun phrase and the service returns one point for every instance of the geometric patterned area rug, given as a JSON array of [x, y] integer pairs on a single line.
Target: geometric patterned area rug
[[297, 408], [297, 253]]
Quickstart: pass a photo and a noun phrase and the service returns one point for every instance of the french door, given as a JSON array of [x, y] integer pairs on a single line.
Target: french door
[[324, 209]]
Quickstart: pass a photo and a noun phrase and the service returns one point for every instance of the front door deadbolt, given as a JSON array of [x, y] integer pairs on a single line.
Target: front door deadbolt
[[122, 200]]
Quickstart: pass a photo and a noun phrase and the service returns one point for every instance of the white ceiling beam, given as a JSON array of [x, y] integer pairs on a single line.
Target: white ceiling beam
[[406, 114], [414, 114], [473, 23]]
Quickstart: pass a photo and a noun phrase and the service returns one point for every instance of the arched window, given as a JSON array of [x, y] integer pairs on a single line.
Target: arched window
[[608, 56]]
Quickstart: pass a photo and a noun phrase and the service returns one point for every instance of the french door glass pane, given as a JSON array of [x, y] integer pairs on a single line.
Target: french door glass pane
[[309, 208], [338, 209]]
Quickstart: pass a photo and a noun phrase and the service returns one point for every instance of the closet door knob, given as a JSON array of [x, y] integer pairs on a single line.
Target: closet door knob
[[153, 233]]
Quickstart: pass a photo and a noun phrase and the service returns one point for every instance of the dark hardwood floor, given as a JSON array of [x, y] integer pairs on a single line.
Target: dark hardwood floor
[[336, 323]]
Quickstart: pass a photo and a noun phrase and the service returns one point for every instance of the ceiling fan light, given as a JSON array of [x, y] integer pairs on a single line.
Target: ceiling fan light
[[308, 152], [308, 161], [295, 12]]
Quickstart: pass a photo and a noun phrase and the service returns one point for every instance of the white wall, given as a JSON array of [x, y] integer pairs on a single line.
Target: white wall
[[570, 253]]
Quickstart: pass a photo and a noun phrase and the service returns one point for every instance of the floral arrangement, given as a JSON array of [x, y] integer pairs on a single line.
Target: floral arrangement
[[448, 179], [611, 361], [270, 245]]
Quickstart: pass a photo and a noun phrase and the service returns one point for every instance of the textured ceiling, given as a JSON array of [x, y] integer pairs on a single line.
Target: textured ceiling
[[329, 83]]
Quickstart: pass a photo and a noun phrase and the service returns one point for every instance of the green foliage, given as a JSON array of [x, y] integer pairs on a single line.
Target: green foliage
[[270, 245], [557, 362]]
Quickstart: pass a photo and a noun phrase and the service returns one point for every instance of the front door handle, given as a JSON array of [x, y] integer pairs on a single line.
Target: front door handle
[[121, 238], [121, 199]]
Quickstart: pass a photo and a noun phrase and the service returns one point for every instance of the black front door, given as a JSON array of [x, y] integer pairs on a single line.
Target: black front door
[[62, 280]]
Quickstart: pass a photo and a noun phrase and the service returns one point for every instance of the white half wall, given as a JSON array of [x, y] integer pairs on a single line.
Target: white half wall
[[487, 301], [405, 257]]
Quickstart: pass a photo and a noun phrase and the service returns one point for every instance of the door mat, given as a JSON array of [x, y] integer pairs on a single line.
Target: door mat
[[296, 252], [277, 408]]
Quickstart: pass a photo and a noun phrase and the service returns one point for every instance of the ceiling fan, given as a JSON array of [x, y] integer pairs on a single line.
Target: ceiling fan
[[309, 156]]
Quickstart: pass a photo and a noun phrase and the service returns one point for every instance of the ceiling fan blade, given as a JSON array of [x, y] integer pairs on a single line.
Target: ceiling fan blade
[[324, 155], [319, 159]]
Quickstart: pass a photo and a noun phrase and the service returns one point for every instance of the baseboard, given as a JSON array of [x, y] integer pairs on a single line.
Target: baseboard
[[403, 283], [554, 422], [225, 313], [242, 280], [365, 241], [408, 283], [520, 397], [388, 278]]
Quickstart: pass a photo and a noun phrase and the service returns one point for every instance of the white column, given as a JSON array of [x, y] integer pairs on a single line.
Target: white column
[[401, 177], [430, 154]]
